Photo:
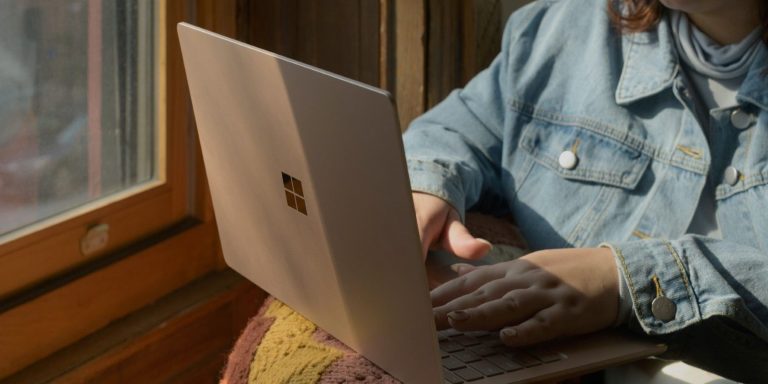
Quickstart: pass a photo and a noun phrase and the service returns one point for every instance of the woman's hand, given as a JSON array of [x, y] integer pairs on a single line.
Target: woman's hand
[[440, 227], [538, 297]]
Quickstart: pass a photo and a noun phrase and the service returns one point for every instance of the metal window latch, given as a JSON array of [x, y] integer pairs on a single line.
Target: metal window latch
[[95, 239]]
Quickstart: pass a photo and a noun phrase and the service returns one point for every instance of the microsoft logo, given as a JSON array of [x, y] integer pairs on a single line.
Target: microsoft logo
[[294, 193]]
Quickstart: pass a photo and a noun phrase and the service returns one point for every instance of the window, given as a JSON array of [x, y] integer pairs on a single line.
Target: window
[[78, 81], [84, 149], [128, 220]]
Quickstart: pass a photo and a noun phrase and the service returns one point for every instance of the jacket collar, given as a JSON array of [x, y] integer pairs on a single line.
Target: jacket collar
[[754, 90], [650, 63]]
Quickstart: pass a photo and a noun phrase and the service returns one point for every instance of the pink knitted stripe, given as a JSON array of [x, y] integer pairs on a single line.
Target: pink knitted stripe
[[239, 361], [351, 367]]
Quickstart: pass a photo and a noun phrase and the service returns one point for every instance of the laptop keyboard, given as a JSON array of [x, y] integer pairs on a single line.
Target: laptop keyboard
[[471, 356]]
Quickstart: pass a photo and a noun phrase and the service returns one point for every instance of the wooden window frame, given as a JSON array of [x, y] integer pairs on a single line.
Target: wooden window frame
[[162, 235], [52, 246]]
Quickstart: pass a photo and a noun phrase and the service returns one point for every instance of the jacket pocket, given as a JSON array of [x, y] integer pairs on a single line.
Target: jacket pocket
[[579, 201], [598, 159]]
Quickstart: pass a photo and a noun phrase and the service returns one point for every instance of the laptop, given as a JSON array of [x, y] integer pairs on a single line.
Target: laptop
[[313, 204]]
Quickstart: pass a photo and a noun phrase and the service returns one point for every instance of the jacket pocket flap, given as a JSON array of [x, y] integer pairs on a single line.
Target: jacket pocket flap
[[598, 158]]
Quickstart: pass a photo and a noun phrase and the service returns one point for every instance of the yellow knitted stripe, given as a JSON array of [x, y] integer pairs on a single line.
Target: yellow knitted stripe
[[287, 353]]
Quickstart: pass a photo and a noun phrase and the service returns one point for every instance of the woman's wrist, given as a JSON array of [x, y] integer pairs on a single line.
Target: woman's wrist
[[625, 301], [624, 307]]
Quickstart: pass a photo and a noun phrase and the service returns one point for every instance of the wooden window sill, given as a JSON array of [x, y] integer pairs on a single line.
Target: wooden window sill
[[183, 337]]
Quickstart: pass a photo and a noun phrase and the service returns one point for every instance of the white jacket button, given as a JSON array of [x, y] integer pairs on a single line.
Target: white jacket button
[[568, 160]]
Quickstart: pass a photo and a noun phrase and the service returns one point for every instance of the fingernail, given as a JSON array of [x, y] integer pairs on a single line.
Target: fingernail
[[458, 315], [460, 267], [485, 241], [490, 245], [509, 332]]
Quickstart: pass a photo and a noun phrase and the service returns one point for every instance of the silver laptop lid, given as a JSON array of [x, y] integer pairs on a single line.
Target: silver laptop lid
[[312, 198]]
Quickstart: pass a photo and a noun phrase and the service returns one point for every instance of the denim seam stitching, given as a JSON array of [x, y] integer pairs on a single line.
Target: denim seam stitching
[[637, 92], [525, 172], [611, 132], [647, 204], [685, 118], [592, 217], [590, 174], [724, 191], [748, 145], [573, 235], [443, 196], [626, 68], [755, 102], [635, 172], [684, 277], [481, 122], [624, 94], [608, 130], [754, 229], [446, 175], [611, 195]]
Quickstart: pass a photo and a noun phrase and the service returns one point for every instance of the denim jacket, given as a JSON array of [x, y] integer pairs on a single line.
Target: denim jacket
[[567, 83]]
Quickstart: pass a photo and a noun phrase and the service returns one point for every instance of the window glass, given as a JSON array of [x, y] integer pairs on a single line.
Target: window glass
[[77, 104]]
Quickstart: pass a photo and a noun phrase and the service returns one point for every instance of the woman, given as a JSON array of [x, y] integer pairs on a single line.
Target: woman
[[631, 147]]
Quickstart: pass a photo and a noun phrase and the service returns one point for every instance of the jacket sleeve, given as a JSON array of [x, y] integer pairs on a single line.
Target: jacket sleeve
[[454, 150], [720, 294]]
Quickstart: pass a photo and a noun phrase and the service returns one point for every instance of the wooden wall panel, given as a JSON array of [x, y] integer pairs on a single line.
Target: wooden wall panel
[[410, 43], [439, 45], [464, 38], [340, 36], [370, 41], [488, 25], [445, 48]]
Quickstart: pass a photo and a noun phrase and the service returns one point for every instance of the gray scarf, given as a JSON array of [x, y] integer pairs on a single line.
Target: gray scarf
[[708, 57]]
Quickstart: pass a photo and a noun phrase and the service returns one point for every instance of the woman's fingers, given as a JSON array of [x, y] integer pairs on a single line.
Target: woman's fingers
[[513, 307], [462, 269], [440, 226], [493, 290], [431, 215], [463, 285], [457, 239], [542, 326], [541, 296]]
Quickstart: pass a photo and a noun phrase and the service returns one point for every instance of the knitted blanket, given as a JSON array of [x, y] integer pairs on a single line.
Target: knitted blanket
[[280, 346]]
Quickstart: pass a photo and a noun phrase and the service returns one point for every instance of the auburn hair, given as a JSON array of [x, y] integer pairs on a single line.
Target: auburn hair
[[642, 15]]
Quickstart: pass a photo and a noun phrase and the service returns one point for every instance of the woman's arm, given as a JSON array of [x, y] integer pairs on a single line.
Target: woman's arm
[[454, 154], [454, 151]]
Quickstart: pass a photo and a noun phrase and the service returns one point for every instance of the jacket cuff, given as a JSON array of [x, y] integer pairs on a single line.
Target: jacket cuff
[[429, 177], [654, 271], [625, 300]]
